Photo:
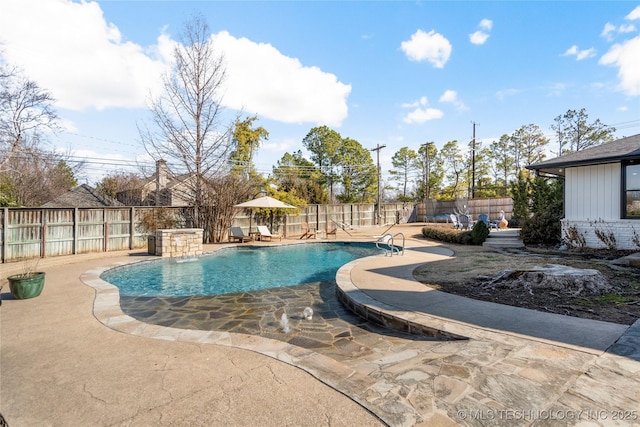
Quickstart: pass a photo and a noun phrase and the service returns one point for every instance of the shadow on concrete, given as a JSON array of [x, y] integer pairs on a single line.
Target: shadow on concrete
[[575, 331]]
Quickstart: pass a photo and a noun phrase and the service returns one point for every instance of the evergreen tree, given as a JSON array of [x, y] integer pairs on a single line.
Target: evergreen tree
[[404, 162]]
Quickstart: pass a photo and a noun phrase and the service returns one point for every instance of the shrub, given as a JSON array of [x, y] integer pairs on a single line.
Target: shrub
[[447, 235], [543, 227], [515, 222], [157, 218], [479, 233]]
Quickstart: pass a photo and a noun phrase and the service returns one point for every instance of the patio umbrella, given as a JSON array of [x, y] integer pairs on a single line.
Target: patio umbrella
[[264, 202]]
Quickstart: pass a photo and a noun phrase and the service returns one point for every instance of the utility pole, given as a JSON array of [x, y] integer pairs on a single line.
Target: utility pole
[[473, 162], [558, 119], [377, 150]]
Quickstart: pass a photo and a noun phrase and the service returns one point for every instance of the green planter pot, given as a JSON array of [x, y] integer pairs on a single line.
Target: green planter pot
[[24, 287]]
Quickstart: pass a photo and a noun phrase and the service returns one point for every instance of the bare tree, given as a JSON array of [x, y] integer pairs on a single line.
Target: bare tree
[[25, 111], [33, 176], [122, 186], [186, 118], [222, 194]]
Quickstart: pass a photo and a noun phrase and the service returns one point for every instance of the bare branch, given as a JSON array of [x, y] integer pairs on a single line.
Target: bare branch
[[186, 126], [25, 111]]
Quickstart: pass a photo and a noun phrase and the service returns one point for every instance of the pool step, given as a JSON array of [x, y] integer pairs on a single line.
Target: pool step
[[387, 319], [509, 238]]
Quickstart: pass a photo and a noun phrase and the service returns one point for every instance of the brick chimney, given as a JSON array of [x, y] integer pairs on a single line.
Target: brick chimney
[[161, 175]]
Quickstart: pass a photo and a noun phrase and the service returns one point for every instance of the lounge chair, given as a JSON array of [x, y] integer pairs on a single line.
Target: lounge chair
[[264, 233], [343, 226], [307, 231], [236, 234], [333, 231]]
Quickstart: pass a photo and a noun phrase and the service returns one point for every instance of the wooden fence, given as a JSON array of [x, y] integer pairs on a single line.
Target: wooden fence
[[327, 217], [438, 209], [48, 232]]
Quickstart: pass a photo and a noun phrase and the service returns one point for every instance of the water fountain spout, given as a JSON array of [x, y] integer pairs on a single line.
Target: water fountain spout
[[308, 313], [284, 323]]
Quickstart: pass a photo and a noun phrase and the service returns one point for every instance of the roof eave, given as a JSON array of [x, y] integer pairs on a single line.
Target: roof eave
[[557, 168]]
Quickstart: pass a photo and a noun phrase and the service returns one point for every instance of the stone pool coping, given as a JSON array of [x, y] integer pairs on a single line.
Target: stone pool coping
[[494, 373], [370, 286], [106, 309]]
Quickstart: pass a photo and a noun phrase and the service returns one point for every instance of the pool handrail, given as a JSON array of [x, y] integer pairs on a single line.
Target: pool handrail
[[389, 240]]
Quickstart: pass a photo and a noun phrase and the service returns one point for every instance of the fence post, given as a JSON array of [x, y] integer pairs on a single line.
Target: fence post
[[132, 212], [105, 231], [74, 250], [5, 224], [43, 234]]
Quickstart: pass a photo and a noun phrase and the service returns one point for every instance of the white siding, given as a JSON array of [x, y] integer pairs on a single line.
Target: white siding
[[593, 193]]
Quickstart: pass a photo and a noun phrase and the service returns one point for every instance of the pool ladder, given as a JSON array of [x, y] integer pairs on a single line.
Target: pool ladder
[[389, 240]]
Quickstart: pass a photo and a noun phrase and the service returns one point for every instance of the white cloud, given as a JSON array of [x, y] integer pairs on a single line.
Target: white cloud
[[282, 146], [505, 93], [580, 54], [607, 30], [420, 115], [557, 89], [421, 112], [634, 14], [481, 36], [625, 57], [478, 37], [422, 101], [622, 29], [451, 97], [85, 63], [627, 28], [448, 96], [486, 24], [70, 50], [262, 80], [431, 46]]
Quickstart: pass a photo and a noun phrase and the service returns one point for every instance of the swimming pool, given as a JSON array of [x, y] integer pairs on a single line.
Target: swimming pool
[[238, 269]]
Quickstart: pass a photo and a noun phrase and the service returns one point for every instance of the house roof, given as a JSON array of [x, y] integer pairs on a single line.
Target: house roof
[[611, 152], [82, 196]]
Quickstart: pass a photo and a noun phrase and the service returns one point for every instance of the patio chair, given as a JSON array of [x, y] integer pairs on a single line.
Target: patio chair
[[454, 220], [264, 233], [333, 231], [464, 222], [490, 224], [236, 234], [307, 231]]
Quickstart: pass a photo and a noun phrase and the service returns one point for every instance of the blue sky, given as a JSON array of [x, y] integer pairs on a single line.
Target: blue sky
[[394, 73]]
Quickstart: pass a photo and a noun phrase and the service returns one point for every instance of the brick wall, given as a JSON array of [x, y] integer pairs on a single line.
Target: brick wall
[[599, 234]]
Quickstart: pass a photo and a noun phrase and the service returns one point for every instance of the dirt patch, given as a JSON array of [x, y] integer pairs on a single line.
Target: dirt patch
[[468, 271]]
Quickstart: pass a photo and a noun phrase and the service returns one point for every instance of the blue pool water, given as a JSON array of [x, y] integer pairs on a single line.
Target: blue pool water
[[238, 269]]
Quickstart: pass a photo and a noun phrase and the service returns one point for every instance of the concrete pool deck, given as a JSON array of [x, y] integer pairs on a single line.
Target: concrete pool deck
[[71, 357]]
